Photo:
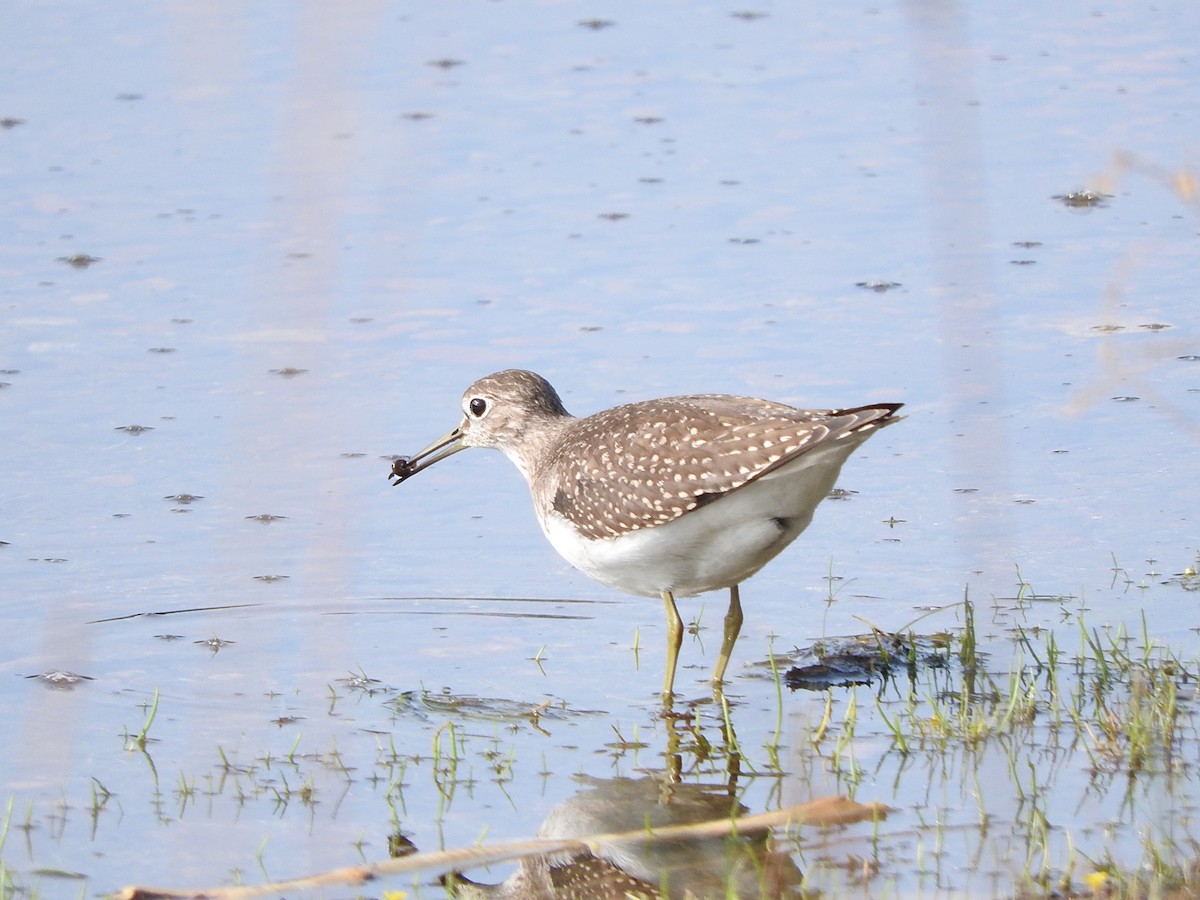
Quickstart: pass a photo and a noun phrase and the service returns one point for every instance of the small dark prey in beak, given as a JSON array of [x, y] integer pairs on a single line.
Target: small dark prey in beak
[[402, 468]]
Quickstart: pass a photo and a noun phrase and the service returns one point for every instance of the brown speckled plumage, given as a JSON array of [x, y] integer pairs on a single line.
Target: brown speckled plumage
[[644, 464]]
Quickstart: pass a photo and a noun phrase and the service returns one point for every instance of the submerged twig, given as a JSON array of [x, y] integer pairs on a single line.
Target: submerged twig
[[825, 811]]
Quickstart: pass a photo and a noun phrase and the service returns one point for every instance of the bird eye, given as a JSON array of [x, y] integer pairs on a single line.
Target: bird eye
[[478, 406]]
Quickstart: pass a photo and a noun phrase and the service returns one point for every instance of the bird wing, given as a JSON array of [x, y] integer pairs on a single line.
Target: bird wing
[[645, 464]]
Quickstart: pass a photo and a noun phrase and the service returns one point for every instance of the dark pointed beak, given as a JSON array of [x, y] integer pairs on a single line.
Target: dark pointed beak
[[407, 466]]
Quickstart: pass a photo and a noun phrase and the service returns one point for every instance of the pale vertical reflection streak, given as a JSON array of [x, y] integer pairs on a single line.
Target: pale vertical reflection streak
[[316, 150], [960, 248], [282, 433]]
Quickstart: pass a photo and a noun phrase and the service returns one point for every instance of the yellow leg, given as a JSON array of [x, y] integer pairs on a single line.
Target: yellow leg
[[674, 641], [733, 627]]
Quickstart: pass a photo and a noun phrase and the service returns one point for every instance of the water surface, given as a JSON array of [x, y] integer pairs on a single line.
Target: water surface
[[313, 227]]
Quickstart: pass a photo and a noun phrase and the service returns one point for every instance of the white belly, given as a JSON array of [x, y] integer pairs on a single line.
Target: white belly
[[712, 547]]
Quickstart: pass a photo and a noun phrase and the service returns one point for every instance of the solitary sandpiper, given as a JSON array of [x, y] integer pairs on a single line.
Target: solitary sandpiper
[[663, 498]]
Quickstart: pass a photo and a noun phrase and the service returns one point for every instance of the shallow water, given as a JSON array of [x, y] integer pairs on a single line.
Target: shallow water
[[314, 227]]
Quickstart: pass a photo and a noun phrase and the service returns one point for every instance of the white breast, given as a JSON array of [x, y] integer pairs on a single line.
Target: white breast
[[715, 546]]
